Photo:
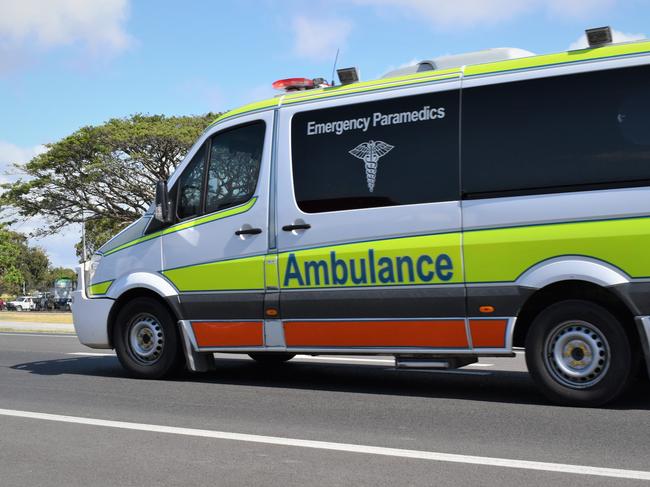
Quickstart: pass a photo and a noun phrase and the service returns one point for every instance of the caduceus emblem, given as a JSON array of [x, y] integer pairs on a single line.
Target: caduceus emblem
[[369, 153]]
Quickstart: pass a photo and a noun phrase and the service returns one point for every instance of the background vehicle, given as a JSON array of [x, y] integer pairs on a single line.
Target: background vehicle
[[2, 304], [22, 303], [61, 295]]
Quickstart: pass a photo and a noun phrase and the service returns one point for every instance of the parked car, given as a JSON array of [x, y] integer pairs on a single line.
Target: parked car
[[2, 304], [22, 303]]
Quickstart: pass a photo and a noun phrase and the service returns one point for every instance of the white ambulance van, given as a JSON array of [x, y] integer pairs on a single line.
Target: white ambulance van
[[452, 212]]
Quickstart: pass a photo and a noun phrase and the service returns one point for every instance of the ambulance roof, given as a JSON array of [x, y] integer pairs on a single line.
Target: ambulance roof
[[509, 65]]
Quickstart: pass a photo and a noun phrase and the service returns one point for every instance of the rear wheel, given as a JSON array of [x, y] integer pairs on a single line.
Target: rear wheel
[[146, 339], [579, 354], [271, 358]]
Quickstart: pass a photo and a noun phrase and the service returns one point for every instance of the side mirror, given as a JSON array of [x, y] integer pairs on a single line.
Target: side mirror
[[163, 209]]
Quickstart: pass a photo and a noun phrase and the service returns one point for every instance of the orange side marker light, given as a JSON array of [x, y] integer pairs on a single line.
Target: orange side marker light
[[271, 312], [486, 309]]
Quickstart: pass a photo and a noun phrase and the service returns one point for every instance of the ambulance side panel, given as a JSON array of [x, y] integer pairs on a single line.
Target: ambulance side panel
[[368, 222], [555, 178]]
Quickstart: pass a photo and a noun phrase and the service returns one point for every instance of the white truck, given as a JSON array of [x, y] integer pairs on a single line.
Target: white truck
[[22, 303]]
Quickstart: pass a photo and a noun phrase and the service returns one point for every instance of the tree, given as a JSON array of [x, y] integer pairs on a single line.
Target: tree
[[56, 273], [105, 175], [11, 278], [20, 264]]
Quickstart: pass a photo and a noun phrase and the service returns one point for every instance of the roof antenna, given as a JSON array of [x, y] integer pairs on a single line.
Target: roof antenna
[[336, 59]]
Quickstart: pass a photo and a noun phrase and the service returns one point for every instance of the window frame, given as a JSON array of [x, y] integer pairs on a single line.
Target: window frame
[[178, 187], [208, 153], [207, 146]]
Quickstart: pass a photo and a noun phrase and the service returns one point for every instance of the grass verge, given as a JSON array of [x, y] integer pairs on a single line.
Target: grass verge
[[35, 317]]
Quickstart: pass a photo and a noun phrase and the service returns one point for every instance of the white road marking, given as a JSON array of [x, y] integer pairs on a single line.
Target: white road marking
[[344, 447], [91, 354]]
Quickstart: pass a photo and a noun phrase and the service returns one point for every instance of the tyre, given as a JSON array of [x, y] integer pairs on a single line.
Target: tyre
[[147, 340], [272, 358], [579, 354]]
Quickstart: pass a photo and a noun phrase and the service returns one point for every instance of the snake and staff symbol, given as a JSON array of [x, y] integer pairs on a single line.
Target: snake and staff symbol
[[370, 153]]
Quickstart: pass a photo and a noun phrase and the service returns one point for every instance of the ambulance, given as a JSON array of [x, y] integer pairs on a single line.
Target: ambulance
[[459, 208]]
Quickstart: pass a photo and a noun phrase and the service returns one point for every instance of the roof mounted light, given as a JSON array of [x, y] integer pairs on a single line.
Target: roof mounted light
[[348, 75], [300, 84], [293, 84], [599, 36]]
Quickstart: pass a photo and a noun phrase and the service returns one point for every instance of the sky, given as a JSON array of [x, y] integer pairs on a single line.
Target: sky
[[65, 64]]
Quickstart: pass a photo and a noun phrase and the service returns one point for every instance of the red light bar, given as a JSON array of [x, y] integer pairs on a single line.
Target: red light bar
[[293, 84]]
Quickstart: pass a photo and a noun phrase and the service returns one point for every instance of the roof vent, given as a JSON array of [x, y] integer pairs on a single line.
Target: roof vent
[[458, 60]]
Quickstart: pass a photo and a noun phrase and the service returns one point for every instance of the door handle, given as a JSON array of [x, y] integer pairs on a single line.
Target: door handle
[[297, 226], [249, 231]]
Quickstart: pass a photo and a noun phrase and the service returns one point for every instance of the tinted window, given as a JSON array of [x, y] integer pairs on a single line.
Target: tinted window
[[235, 158], [399, 151], [190, 186], [563, 133]]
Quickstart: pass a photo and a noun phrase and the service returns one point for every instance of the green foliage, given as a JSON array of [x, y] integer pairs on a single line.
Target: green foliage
[[106, 173], [20, 263], [56, 273]]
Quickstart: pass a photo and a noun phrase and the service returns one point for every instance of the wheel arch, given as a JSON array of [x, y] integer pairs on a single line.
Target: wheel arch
[[170, 304], [575, 289]]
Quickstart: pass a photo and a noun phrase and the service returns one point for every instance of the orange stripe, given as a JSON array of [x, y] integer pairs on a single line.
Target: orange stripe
[[228, 333], [488, 333], [424, 333]]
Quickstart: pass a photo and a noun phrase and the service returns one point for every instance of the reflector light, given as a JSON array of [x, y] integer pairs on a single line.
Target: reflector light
[[293, 84]]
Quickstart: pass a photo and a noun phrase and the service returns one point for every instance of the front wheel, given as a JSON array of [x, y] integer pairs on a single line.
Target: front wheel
[[146, 339], [579, 354]]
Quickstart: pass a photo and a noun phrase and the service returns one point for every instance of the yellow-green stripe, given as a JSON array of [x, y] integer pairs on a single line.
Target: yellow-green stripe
[[226, 275], [504, 254], [187, 224], [100, 288]]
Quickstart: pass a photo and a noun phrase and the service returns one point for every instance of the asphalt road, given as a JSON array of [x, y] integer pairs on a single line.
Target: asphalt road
[[193, 428]]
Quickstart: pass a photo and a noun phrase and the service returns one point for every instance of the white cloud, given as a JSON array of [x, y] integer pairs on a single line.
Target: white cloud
[[319, 38], [12, 154], [450, 15], [60, 247], [27, 26], [617, 36]]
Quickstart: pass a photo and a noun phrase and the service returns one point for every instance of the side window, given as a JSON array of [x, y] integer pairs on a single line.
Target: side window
[[566, 133], [190, 186], [399, 151], [234, 166]]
